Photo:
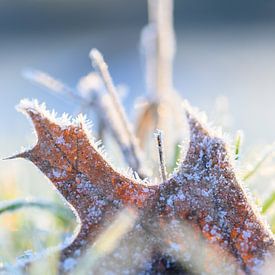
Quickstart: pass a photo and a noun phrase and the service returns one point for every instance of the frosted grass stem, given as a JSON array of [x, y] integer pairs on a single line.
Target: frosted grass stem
[[163, 173], [100, 65], [45, 80]]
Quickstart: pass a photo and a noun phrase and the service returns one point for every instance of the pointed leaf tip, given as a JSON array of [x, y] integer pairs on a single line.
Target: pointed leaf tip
[[20, 155]]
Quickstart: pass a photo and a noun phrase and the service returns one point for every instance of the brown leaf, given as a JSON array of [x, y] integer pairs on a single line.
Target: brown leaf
[[204, 193]]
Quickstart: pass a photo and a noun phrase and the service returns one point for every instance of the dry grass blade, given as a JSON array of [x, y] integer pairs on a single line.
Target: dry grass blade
[[99, 64], [163, 171]]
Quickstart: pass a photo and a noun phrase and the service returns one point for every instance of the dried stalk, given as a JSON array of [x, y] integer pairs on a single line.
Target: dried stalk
[[158, 43], [100, 65], [158, 46], [165, 47], [162, 167]]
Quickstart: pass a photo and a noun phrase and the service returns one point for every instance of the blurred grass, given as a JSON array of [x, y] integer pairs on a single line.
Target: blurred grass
[[29, 224], [268, 203], [32, 229]]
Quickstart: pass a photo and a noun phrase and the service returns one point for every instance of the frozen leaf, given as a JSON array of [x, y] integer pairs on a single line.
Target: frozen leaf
[[203, 193]]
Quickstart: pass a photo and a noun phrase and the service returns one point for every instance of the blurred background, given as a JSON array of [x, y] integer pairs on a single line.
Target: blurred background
[[223, 48], [225, 60]]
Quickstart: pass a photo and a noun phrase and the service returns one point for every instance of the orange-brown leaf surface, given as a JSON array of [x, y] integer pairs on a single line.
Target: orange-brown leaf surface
[[206, 192], [203, 193], [69, 158]]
